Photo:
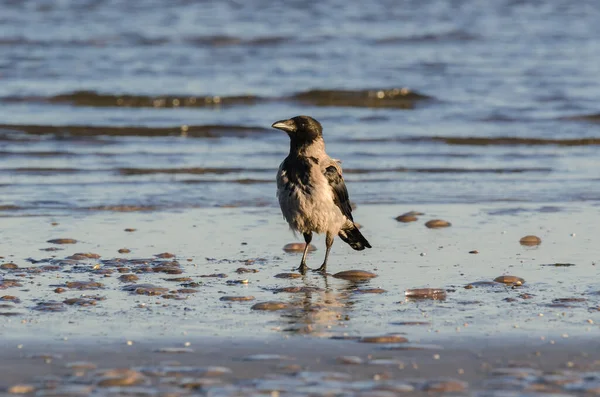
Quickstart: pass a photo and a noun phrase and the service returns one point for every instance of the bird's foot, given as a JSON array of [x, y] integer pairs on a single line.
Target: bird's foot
[[303, 268], [322, 269]]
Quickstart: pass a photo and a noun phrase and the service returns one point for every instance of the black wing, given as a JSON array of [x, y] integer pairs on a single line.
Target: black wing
[[340, 193]]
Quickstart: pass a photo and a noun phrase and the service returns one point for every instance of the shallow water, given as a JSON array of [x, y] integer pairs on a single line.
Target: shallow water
[[558, 299], [112, 105]]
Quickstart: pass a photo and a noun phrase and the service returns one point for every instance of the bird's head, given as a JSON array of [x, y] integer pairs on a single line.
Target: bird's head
[[300, 128]]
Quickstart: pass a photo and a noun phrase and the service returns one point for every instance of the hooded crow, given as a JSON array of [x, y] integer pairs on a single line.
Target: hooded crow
[[311, 190]]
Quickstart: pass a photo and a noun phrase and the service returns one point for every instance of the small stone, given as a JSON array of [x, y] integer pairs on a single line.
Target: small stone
[[79, 302], [128, 278], [473, 252], [8, 283], [59, 290], [235, 282], [437, 223], [10, 298], [119, 377], [298, 247], [124, 251], [174, 350], [530, 240], [352, 360], [270, 306], [445, 386], [130, 230], [236, 298], [165, 255], [369, 291], [145, 289], [288, 275], [355, 275], [425, 293], [21, 389], [50, 307], [81, 365], [383, 339], [266, 357], [9, 266], [241, 270], [83, 256], [84, 285], [510, 280], [406, 218], [297, 290], [62, 241]]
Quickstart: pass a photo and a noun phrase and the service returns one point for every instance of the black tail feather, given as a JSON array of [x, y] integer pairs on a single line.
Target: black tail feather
[[353, 237]]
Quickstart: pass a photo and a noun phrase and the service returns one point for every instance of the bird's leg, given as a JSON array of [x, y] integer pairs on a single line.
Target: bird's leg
[[328, 244], [307, 238]]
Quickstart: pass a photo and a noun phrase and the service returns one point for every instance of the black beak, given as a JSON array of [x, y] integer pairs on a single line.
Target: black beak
[[285, 125]]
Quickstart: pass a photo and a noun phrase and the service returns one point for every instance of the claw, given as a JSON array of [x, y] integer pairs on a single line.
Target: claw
[[303, 268], [322, 269]]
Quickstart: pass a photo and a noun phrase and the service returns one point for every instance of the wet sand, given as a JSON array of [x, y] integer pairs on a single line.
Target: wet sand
[[300, 366], [159, 280]]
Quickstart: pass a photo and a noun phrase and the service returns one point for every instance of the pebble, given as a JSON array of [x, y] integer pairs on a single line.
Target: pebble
[[530, 240], [406, 218], [83, 256], [369, 291], [130, 230], [174, 350], [62, 241], [21, 389], [59, 290], [151, 290], [236, 298], [352, 360], [473, 252], [568, 300], [383, 339], [288, 275], [128, 278], [385, 361], [355, 275], [445, 386], [395, 387], [270, 306], [412, 346], [165, 255], [10, 298], [81, 365], [298, 247], [9, 266], [79, 302], [215, 275], [241, 270], [124, 251], [297, 290], [119, 377], [235, 282], [425, 293], [266, 357], [437, 223], [66, 391], [145, 289], [509, 280], [7, 283], [50, 307], [84, 285]]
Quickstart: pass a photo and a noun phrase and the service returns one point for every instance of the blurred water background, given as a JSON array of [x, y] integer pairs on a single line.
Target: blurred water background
[[153, 105]]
